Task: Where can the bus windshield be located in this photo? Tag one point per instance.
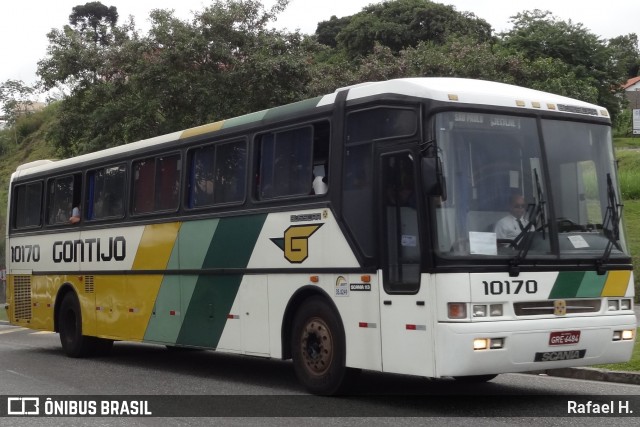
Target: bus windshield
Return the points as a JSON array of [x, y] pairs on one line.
[[582, 168], [499, 202]]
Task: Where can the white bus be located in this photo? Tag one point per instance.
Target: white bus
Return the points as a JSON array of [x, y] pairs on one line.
[[356, 230]]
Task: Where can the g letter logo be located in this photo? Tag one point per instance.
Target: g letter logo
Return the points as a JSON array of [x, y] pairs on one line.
[[295, 243]]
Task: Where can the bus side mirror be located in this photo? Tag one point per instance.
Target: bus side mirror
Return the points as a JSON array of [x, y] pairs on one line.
[[433, 181]]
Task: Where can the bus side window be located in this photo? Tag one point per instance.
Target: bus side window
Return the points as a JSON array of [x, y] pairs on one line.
[[217, 174], [64, 195], [289, 161], [105, 193], [27, 205], [156, 184]]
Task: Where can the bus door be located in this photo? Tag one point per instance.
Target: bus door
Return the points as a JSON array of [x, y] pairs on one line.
[[405, 306]]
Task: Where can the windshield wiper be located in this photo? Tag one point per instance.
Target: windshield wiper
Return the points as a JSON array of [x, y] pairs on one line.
[[610, 225], [525, 238]]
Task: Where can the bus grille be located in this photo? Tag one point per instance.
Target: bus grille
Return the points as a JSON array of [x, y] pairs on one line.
[[88, 284], [22, 298], [536, 308]]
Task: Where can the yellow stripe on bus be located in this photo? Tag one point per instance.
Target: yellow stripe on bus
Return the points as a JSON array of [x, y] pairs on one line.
[[211, 127], [616, 284], [156, 246]]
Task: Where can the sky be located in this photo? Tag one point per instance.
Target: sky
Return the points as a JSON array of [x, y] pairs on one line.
[[24, 24]]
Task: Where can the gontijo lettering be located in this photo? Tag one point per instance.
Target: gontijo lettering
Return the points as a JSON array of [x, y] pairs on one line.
[[92, 249]]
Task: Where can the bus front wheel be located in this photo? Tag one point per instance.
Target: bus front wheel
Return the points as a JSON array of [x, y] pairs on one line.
[[318, 348]]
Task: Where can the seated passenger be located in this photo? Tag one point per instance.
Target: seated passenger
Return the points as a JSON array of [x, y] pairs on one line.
[[75, 215]]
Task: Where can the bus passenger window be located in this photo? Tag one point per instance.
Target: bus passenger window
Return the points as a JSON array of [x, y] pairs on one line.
[[293, 162], [64, 197], [105, 193], [156, 184], [218, 174], [27, 205]]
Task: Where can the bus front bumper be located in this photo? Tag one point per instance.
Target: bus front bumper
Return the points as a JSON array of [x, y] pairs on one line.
[[530, 345]]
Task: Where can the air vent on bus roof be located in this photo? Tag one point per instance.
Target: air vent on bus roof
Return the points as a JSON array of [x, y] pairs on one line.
[[578, 110]]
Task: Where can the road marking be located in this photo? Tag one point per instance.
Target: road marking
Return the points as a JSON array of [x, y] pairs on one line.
[[41, 332], [8, 331]]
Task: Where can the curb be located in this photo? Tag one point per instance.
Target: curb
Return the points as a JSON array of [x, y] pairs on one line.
[[593, 374]]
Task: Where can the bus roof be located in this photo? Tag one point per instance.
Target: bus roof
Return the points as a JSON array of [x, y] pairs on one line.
[[456, 90]]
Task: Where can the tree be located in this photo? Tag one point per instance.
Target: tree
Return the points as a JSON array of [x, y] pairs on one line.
[[400, 24], [16, 98], [625, 56], [225, 62], [538, 35], [327, 31], [77, 55], [96, 20]]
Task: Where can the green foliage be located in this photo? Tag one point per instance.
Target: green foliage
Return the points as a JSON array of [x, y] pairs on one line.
[[593, 62], [225, 62], [95, 19], [629, 167], [15, 98], [622, 125], [400, 24]]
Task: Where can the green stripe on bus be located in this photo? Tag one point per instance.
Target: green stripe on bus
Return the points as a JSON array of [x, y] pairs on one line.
[[213, 296], [592, 285], [242, 120], [192, 244], [567, 284], [289, 109]]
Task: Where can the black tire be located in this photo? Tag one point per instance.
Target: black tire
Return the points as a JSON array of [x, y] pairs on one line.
[[73, 342], [475, 379], [318, 348]]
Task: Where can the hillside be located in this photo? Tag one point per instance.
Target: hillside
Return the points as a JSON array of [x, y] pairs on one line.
[[21, 144]]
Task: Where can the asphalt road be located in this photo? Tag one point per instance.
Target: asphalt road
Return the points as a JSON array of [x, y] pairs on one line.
[[183, 384]]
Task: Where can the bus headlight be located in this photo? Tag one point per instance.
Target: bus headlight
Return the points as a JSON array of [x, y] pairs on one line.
[[481, 343], [620, 304], [481, 310], [488, 343], [495, 310], [624, 335]]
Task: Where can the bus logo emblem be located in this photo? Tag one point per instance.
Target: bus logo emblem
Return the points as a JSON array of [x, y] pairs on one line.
[[560, 307], [295, 243]]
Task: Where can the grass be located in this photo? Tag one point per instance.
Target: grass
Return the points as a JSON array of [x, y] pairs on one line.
[[629, 171], [627, 142], [628, 155], [632, 365]]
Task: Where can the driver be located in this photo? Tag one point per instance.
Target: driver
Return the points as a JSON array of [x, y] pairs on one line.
[[512, 225]]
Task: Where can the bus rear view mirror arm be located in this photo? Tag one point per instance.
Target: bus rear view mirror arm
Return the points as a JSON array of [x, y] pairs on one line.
[[433, 181]]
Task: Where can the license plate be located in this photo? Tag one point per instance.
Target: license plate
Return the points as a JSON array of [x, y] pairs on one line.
[[564, 338]]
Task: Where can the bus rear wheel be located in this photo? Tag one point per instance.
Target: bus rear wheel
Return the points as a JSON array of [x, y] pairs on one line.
[[318, 348], [73, 342]]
